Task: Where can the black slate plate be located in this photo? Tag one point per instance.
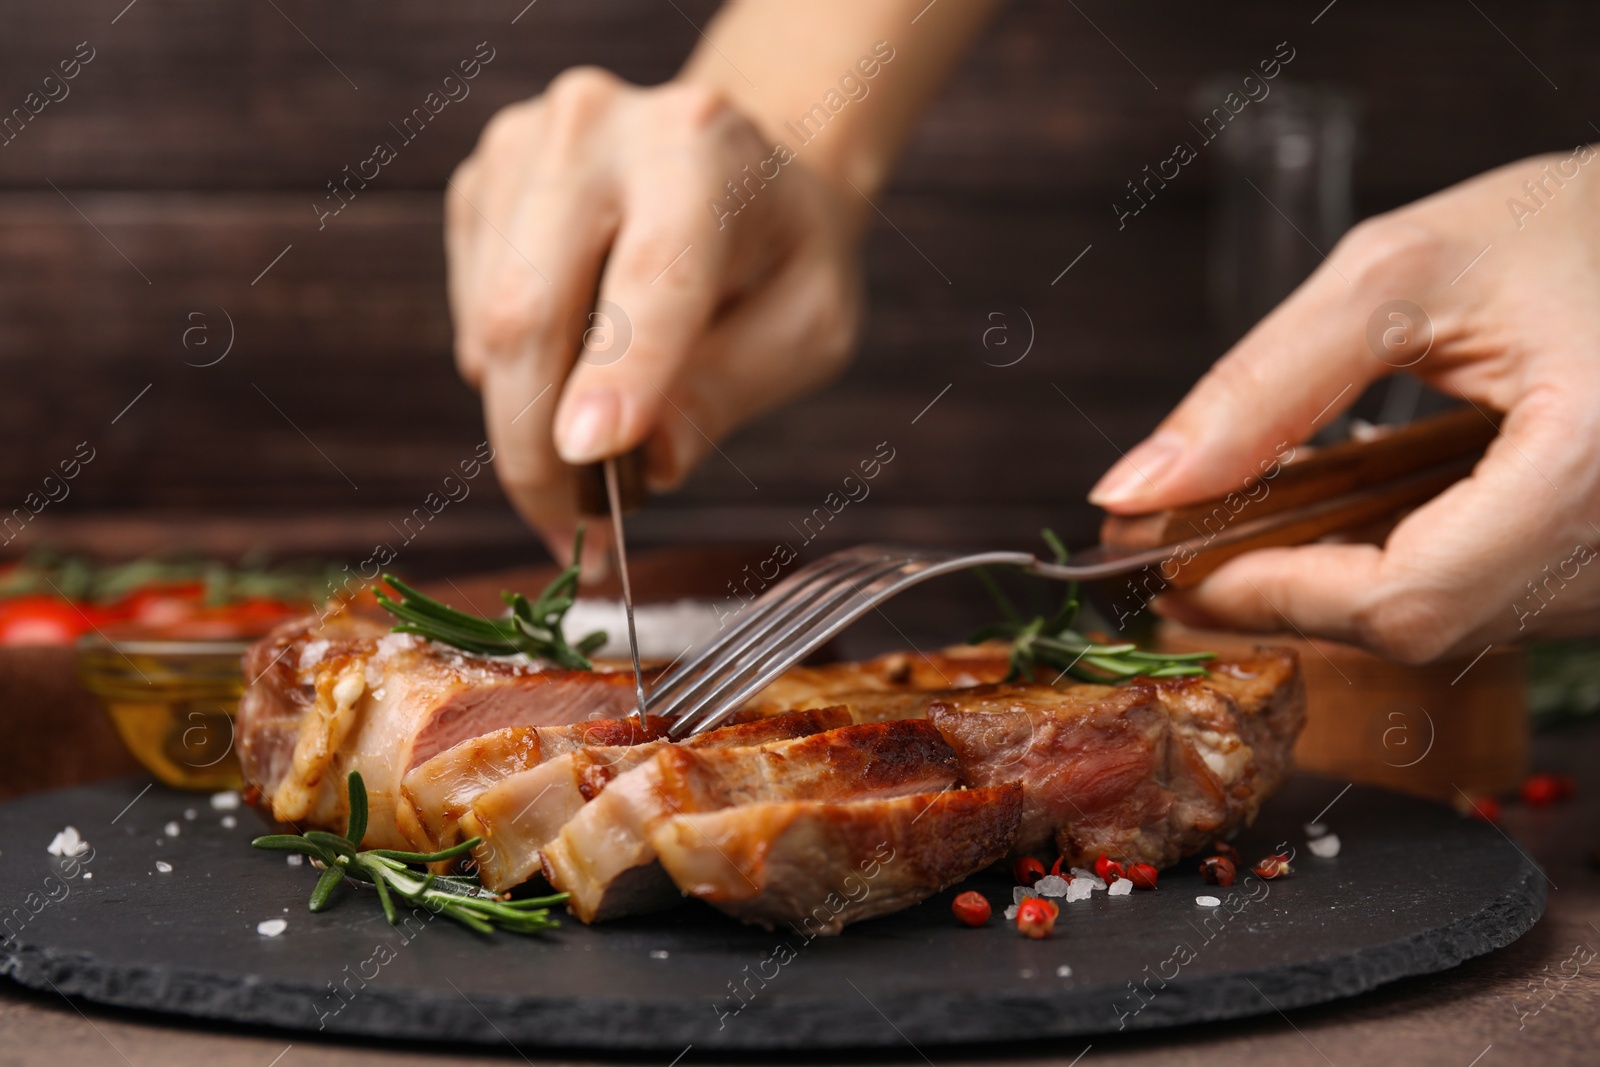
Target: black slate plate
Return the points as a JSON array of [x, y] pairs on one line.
[[1415, 889]]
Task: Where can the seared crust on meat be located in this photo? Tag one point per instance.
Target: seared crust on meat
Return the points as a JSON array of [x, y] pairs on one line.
[[434, 795], [597, 855], [1148, 771], [518, 814], [818, 865], [885, 676], [328, 696]]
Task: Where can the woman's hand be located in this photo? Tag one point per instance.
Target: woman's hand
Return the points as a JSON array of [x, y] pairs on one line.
[[610, 287], [1506, 275]]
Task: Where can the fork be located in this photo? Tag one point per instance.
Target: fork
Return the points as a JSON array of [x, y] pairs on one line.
[[1336, 488]]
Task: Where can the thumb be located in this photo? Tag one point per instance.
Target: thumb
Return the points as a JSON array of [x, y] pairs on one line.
[[1299, 367]]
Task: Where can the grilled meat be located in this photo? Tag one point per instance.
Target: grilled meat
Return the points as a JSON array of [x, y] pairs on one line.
[[434, 795], [817, 865], [764, 819], [604, 856], [519, 814], [324, 698], [1147, 771]]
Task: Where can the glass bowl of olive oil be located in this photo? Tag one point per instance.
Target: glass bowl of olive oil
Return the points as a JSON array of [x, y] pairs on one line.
[[172, 701]]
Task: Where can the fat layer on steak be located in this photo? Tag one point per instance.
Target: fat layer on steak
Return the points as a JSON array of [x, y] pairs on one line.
[[604, 857], [325, 697], [517, 815], [816, 865], [434, 795]]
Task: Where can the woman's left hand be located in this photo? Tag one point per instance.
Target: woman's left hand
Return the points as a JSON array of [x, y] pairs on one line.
[[1506, 276]]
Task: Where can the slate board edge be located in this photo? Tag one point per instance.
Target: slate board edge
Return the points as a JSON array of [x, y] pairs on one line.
[[782, 1023]]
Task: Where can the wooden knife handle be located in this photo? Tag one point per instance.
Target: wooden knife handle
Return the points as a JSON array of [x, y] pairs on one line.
[[591, 485], [1422, 459]]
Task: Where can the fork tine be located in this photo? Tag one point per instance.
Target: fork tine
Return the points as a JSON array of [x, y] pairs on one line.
[[818, 627], [736, 660], [781, 597], [789, 644]]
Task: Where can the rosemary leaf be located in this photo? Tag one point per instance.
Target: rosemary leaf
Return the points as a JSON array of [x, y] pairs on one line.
[[462, 899], [533, 628], [1052, 644]]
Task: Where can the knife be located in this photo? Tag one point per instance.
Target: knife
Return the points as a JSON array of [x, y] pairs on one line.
[[614, 487]]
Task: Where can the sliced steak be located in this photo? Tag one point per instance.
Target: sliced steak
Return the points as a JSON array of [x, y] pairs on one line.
[[434, 795], [517, 815], [1147, 771], [817, 865], [603, 855], [884, 678], [325, 697]]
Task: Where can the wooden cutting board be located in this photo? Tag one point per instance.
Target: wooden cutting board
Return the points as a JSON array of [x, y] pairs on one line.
[[1415, 889]]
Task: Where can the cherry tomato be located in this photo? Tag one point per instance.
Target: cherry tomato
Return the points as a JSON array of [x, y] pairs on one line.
[[41, 620]]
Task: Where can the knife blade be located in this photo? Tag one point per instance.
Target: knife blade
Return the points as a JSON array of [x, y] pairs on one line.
[[613, 487]]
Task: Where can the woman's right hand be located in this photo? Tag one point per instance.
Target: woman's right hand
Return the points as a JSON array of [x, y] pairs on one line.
[[609, 288]]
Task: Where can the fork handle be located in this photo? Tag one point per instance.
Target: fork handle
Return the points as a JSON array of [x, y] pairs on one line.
[[1397, 469]]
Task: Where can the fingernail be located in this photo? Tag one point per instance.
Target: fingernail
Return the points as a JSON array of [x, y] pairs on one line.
[[596, 563], [589, 427], [1139, 472]]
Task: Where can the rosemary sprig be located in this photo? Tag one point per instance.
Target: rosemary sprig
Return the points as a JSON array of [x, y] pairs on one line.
[[462, 899], [1054, 643], [533, 627]]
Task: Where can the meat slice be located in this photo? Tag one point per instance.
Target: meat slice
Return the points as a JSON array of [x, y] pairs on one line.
[[328, 696], [517, 815], [817, 865], [434, 795], [884, 678], [604, 857], [1147, 771]]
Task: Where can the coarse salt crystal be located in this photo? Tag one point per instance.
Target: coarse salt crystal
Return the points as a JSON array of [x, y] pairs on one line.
[[190, 815], [1019, 893], [1080, 889], [227, 800], [294, 859], [1051, 885], [659, 954], [229, 822], [1094, 880], [1325, 847], [1011, 912], [1315, 829], [172, 829], [1120, 888], [87, 875], [271, 927], [1208, 902], [1063, 971], [163, 866], [68, 842]]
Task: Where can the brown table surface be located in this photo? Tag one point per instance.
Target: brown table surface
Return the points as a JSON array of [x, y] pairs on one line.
[[1463, 1017]]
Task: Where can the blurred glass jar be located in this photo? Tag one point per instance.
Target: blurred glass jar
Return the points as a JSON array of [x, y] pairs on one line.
[[1282, 195], [173, 703]]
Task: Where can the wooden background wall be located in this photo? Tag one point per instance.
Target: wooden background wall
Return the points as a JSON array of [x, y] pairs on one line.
[[191, 148]]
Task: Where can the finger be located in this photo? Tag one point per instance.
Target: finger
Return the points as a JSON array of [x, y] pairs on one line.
[[462, 233], [657, 294], [1295, 370], [803, 321], [1454, 569]]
